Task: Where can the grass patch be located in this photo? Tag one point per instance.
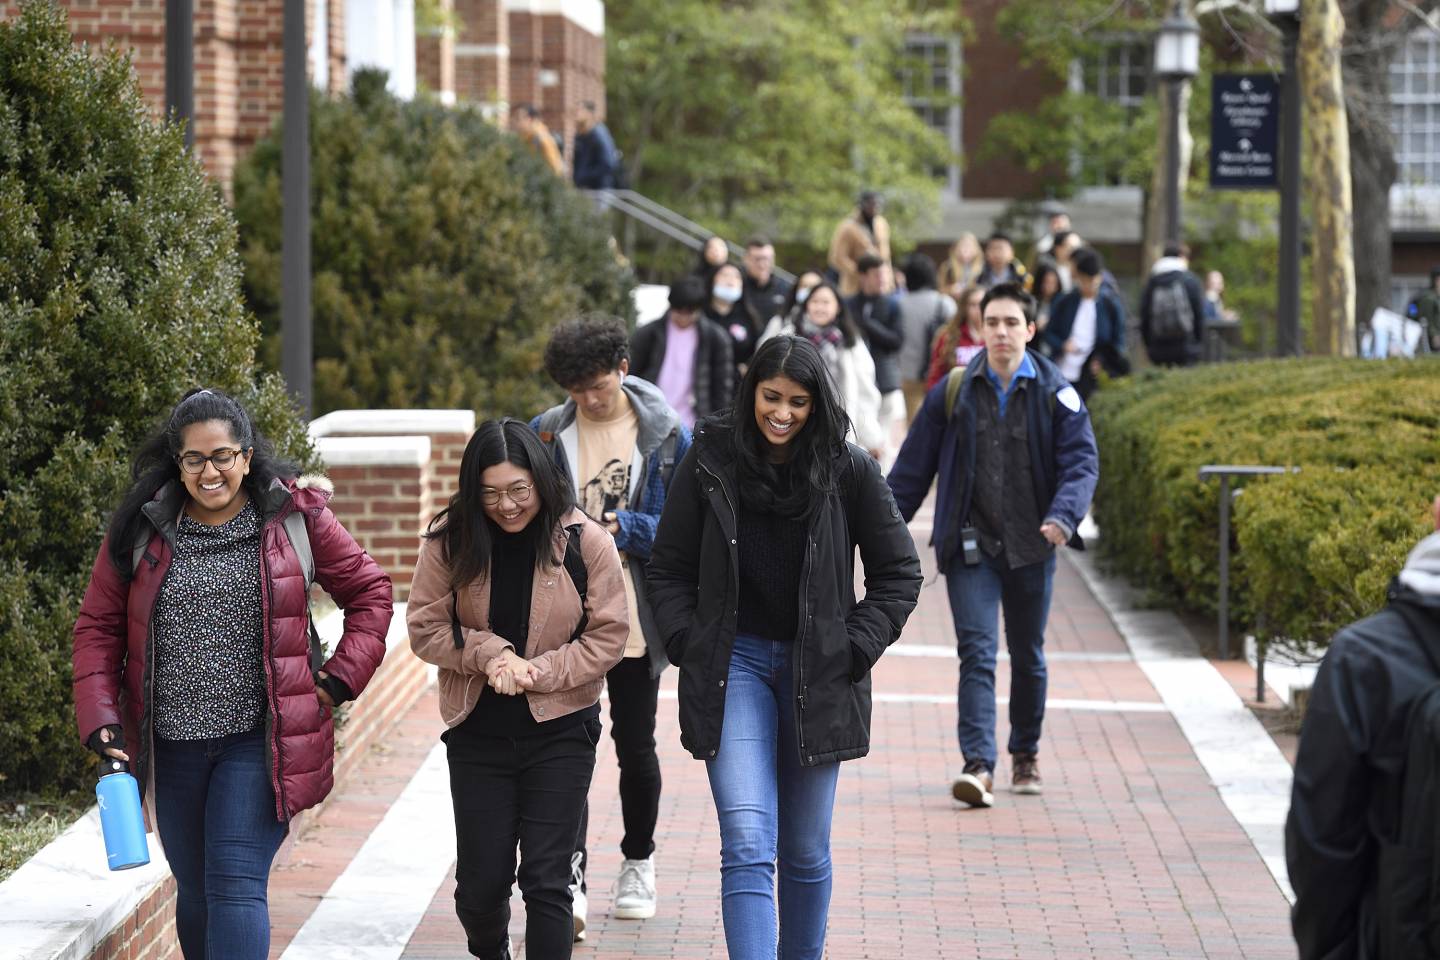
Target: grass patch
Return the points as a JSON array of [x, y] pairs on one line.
[[28, 824]]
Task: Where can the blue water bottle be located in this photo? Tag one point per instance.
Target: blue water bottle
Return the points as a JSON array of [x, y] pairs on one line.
[[121, 820]]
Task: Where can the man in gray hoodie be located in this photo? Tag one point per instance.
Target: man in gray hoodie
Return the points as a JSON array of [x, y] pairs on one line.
[[1344, 839], [618, 441]]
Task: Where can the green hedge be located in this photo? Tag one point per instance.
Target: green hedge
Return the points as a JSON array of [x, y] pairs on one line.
[[1314, 549], [443, 254], [119, 290]]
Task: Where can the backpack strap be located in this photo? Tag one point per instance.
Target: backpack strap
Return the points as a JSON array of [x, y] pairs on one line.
[[667, 450], [137, 551], [579, 575], [953, 380]]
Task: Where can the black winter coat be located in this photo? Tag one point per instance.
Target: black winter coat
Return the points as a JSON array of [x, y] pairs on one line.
[[694, 593]]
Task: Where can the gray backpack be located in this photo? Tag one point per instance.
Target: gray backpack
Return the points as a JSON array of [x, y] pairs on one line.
[[1171, 317]]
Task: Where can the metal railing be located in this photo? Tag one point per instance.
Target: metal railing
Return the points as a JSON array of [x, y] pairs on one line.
[[667, 222], [1226, 472]]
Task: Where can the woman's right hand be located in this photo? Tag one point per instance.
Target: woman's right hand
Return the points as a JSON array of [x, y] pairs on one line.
[[108, 742], [510, 674]]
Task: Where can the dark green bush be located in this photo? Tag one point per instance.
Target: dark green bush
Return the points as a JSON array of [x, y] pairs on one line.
[[119, 290], [1315, 549], [443, 254]]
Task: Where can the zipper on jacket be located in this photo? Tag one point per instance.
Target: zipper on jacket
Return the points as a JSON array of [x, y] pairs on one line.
[[800, 644], [272, 739]]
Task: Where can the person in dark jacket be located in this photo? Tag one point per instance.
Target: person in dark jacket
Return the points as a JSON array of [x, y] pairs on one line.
[[686, 355], [728, 309], [752, 585], [1343, 831], [1170, 281], [1017, 467], [765, 291], [522, 654], [196, 621], [596, 162], [616, 442], [878, 318], [1088, 316]]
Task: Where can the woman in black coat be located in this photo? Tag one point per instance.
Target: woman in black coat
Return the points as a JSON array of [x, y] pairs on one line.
[[752, 585]]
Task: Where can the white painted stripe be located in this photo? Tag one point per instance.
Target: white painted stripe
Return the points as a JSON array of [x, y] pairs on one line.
[[1055, 656], [1085, 706], [372, 909], [1247, 768], [482, 50]]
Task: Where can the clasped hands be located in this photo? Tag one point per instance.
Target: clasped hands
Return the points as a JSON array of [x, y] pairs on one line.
[[510, 674]]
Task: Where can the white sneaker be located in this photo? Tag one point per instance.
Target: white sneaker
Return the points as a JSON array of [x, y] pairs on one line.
[[635, 890], [580, 903]]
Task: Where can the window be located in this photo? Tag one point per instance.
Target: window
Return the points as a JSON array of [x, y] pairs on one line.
[[930, 82], [1415, 109], [1118, 75]]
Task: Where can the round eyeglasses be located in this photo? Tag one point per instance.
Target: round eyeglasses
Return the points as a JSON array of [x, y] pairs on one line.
[[517, 492], [195, 463]]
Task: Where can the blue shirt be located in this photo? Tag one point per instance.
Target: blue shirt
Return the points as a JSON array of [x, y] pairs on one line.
[[1027, 369]]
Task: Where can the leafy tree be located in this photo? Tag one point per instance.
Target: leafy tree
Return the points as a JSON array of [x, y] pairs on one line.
[[442, 253], [119, 290], [771, 115]]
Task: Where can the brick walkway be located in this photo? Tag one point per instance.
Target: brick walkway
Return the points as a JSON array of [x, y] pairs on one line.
[[1130, 852]]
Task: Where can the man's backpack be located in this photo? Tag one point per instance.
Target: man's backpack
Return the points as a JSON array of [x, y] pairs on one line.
[[1408, 891], [579, 575], [1171, 316]]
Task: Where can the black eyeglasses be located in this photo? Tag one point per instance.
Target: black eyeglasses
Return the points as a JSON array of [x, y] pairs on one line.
[[195, 462], [517, 492]]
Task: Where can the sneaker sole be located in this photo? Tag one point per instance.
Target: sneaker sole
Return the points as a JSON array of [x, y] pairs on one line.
[[633, 913], [972, 794], [1027, 789], [579, 929]]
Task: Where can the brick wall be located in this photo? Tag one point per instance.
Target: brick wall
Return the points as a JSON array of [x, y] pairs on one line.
[[148, 933], [482, 52], [556, 63]]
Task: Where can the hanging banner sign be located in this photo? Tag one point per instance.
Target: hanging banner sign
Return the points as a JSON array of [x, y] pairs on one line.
[[1244, 131]]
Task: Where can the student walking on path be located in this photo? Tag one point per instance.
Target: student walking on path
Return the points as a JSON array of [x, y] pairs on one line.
[[752, 586], [1011, 442], [520, 601], [616, 442], [197, 621]]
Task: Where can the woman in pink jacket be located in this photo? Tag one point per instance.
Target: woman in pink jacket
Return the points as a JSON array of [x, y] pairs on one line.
[[519, 599], [193, 655]]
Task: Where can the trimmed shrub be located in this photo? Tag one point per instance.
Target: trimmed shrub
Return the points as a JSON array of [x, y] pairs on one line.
[[1315, 549], [443, 253], [119, 290]]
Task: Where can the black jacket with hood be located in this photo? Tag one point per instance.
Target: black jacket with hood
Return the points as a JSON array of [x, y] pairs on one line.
[[1348, 773], [694, 593]]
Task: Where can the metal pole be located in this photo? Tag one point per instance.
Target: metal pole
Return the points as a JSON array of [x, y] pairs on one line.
[[1287, 340], [1172, 166], [296, 351], [1224, 623], [180, 65]]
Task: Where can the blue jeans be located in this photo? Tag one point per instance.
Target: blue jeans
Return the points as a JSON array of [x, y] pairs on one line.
[[977, 594], [215, 812], [770, 808]]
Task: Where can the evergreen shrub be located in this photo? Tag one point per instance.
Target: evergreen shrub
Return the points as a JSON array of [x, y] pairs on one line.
[[119, 291], [1314, 549], [443, 254]]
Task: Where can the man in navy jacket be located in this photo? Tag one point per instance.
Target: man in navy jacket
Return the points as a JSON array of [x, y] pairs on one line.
[[1017, 467]]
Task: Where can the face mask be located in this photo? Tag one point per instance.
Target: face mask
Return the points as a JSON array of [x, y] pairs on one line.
[[802, 294], [728, 294]]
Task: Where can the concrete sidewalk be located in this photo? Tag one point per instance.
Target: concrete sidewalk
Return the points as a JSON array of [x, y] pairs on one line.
[[1131, 852]]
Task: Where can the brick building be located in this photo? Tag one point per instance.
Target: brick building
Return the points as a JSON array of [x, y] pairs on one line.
[[547, 52]]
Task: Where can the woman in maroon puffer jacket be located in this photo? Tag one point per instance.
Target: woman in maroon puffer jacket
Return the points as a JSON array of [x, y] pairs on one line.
[[192, 647]]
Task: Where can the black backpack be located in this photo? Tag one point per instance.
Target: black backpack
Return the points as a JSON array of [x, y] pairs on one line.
[[1171, 316], [1407, 901], [579, 575]]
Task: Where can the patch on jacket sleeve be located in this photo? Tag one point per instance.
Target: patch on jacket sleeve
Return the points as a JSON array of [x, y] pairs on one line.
[[1070, 399]]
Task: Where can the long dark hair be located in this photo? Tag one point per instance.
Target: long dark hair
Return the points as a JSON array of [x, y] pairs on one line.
[[154, 463], [468, 533], [812, 457], [848, 328]]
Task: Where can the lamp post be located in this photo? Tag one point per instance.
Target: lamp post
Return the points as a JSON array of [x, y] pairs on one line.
[[1285, 14], [295, 336], [180, 65], [1177, 61]]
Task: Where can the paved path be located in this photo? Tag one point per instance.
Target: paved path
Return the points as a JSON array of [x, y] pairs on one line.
[[1131, 852]]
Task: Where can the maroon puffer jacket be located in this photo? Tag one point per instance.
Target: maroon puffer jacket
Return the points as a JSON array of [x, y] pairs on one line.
[[112, 636]]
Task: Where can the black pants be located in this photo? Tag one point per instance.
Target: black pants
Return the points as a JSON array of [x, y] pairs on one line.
[[634, 699], [525, 790]]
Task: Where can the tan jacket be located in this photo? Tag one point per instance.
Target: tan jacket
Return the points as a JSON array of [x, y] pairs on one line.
[[542, 144], [851, 242], [571, 675]]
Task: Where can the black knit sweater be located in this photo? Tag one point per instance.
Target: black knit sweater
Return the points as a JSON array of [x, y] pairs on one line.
[[772, 558]]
